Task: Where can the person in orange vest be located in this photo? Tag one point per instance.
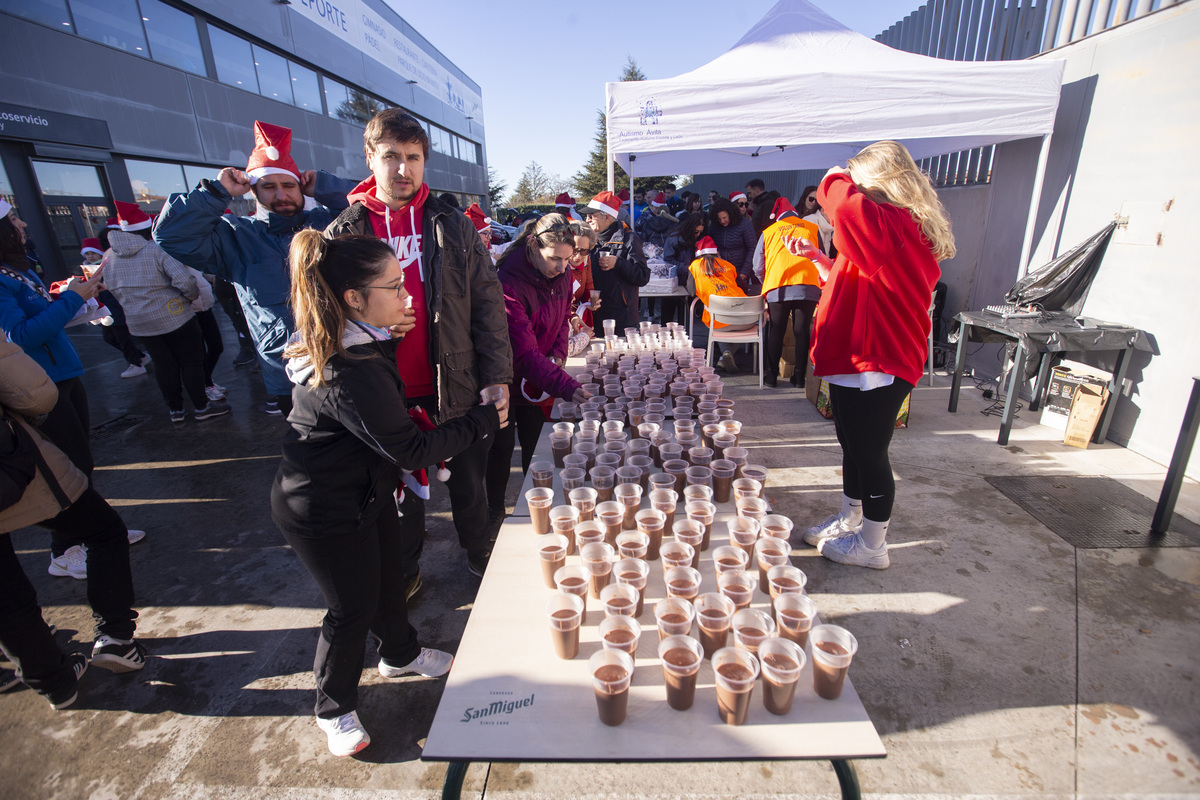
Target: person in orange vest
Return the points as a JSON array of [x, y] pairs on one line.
[[711, 275], [791, 286]]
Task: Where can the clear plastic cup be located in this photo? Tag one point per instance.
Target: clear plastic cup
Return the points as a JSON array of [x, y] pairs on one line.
[[571, 478], [781, 662], [736, 672], [674, 617], [699, 476], [833, 648], [677, 554], [573, 579], [565, 615], [670, 451], [721, 441], [727, 557], [677, 468], [598, 560], [560, 446], [646, 465], [785, 579], [542, 473], [612, 460], [603, 479], [586, 449], [756, 472], [697, 492], [752, 627], [769, 552], [691, 533], [633, 544], [681, 658], [567, 411], [722, 479], [552, 553], [629, 495], [563, 519], [700, 456], [634, 572], [753, 507], [611, 515], [620, 633], [745, 489], [743, 533], [714, 615], [629, 474], [709, 429], [584, 500], [705, 513], [682, 582], [612, 672], [778, 526], [540, 501], [620, 599], [738, 586], [794, 615], [738, 456], [588, 532], [651, 522]]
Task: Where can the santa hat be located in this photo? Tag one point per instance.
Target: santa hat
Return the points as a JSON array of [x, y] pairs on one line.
[[706, 247], [132, 218], [624, 195], [607, 202], [481, 221], [564, 200], [113, 224], [5, 207], [735, 196], [91, 246], [272, 152], [417, 480], [782, 206], [659, 200]]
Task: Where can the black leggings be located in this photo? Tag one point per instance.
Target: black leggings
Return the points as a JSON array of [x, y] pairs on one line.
[[864, 422], [68, 425], [525, 423], [802, 314], [179, 359], [210, 330]]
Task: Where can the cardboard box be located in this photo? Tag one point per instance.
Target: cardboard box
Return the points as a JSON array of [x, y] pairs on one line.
[[1064, 380], [1086, 408], [787, 359], [812, 386]]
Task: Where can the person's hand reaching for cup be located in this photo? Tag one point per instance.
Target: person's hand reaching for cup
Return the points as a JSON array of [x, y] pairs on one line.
[[581, 395], [85, 289]]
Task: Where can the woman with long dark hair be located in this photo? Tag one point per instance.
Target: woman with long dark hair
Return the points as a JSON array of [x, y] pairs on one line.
[[678, 251], [342, 458], [734, 235], [872, 325]]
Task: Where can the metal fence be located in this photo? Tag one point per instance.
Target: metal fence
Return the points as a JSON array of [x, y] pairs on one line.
[[1000, 30]]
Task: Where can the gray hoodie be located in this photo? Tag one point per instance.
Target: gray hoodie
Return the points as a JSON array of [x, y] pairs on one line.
[[154, 289]]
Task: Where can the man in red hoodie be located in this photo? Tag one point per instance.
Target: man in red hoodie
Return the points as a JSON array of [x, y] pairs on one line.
[[460, 342]]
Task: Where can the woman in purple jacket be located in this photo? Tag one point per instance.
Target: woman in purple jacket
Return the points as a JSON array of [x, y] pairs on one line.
[[537, 298]]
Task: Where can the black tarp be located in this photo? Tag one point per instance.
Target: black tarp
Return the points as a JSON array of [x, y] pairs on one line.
[[1063, 284]]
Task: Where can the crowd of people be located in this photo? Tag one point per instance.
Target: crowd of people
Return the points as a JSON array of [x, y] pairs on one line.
[[398, 343]]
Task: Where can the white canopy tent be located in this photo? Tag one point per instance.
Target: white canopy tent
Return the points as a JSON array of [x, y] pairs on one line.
[[802, 91]]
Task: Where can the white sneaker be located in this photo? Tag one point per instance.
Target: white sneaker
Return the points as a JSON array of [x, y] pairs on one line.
[[215, 393], [346, 734], [133, 371], [71, 564], [219, 388], [853, 551], [136, 536], [430, 664], [835, 526]]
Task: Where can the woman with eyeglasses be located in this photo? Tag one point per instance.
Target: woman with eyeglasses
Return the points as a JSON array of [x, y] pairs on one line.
[[810, 211], [333, 495], [580, 263], [537, 297]]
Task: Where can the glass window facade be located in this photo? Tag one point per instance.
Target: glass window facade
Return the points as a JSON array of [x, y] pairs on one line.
[[115, 23], [6, 190], [235, 62], [194, 172], [305, 91], [68, 180], [273, 79], [47, 12], [174, 39], [153, 181]]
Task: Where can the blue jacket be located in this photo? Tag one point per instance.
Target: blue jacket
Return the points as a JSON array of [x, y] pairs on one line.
[[38, 325], [249, 252]]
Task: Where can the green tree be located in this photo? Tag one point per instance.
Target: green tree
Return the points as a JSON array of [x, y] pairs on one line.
[[536, 186], [359, 107], [496, 189], [632, 71]]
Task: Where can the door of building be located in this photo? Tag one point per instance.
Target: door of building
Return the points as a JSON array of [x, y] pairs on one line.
[[76, 202]]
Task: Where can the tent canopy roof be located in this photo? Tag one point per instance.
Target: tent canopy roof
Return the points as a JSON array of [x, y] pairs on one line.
[[802, 91]]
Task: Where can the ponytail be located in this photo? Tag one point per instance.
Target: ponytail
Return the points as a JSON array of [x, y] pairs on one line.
[[321, 272]]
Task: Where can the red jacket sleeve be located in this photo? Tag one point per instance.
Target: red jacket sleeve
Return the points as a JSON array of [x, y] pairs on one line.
[[865, 232]]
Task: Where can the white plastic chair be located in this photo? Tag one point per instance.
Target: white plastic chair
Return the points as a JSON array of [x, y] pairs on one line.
[[932, 303], [737, 311]]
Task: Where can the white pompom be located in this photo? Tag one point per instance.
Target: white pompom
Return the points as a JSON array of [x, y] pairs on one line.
[[443, 474], [272, 152]]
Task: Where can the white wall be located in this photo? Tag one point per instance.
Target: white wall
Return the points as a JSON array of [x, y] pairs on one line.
[[1126, 140]]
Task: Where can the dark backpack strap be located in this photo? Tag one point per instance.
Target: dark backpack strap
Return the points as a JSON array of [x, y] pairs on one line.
[[28, 441]]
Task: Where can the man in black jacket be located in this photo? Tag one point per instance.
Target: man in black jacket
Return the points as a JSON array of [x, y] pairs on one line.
[[618, 263]]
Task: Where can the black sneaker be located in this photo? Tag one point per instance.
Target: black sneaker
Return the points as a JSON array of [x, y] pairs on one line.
[[770, 380], [178, 416], [478, 564], [66, 696], [213, 410], [246, 356], [118, 656], [413, 586], [272, 408], [495, 521], [8, 680]]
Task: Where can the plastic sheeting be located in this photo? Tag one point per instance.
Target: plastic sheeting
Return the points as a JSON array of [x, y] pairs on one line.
[[1063, 284]]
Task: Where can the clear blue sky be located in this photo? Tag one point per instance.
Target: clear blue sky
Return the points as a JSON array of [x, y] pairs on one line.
[[542, 66]]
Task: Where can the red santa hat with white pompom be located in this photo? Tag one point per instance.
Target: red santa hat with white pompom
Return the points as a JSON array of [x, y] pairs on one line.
[[272, 152]]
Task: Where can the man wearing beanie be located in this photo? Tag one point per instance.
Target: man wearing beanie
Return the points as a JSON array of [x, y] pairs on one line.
[[252, 252]]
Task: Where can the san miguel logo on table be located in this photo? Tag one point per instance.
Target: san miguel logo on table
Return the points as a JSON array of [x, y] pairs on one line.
[[497, 708]]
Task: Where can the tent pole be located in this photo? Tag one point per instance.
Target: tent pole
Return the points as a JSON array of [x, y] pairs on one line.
[[1031, 222], [612, 173]]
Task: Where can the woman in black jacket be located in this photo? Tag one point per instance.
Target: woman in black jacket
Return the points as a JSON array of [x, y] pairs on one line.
[[734, 235], [342, 460]]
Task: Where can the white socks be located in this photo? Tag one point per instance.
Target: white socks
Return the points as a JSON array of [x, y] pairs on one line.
[[873, 533], [851, 510]]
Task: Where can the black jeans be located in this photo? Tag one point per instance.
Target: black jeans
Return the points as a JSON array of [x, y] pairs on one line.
[[68, 426], [118, 336], [525, 423], [356, 573], [24, 635], [179, 359], [210, 331], [864, 422], [777, 313]]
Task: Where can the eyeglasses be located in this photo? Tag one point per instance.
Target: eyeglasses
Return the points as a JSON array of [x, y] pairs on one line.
[[398, 288], [579, 252], [741, 203], [810, 199]]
